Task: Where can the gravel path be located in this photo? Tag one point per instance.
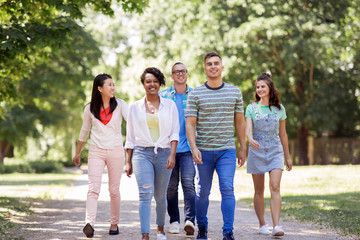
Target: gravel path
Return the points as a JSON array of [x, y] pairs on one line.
[[64, 219]]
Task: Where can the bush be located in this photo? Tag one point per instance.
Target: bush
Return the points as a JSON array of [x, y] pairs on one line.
[[33, 167], [68, 163], [20, 168], [46, 166]]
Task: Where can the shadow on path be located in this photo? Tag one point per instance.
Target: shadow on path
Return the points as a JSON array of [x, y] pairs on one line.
[[64, 219]]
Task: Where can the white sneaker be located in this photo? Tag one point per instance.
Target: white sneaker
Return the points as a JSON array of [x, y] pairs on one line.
[[278, 231], [264, 230], [189, 228], [174, 228], [160, 236]]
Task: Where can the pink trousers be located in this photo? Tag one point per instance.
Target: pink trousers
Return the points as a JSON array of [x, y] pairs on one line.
[[114, 159]]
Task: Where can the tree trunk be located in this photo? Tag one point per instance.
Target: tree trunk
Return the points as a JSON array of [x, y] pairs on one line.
[[6, 150], [303, 145]]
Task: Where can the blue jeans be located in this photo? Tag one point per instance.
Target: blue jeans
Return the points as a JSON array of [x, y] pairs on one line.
[[152, 178], [184, 165], [224, 162]]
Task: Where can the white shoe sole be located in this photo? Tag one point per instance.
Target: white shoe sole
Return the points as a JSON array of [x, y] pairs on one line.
[[189, 230]]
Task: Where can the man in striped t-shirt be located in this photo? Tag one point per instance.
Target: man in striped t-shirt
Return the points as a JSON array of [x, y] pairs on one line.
[[212, 110]]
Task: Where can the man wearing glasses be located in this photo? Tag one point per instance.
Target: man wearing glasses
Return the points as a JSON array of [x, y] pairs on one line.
[[184, 164]]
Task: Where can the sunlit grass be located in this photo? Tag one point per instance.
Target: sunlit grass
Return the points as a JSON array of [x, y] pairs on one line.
[[35, 185], [326, 195], [18, 190]]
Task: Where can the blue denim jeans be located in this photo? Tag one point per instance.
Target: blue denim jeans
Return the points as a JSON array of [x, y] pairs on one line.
[[185, 170], [224, 162], [152, 178]]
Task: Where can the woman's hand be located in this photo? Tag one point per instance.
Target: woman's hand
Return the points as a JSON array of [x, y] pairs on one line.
[[170, 163], [254, 144], [76, 159], [128, 169], [288, 164]]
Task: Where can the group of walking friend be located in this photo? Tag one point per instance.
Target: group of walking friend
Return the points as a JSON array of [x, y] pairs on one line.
[[181, 135]]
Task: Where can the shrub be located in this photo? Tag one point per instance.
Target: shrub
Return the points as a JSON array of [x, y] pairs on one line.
[[46, 166], [20, 168]]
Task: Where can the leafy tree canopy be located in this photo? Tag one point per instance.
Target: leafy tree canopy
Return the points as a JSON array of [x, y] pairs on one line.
[[31, 30]]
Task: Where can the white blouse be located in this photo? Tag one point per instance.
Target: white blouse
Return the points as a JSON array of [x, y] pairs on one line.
[[104, 136], [137, 129]]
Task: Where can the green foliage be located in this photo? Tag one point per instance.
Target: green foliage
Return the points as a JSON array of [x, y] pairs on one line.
[[52, 94], [33, 167], [46, 166], [31, 30], [311, 48], [20, 168]]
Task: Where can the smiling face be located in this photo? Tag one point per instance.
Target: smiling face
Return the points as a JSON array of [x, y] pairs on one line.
[[151, 84], [179, 74], [108, 88], [262, 89], [213, 67]]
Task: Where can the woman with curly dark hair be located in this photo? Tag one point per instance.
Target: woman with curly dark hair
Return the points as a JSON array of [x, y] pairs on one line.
[[152, 134], [268, 141]]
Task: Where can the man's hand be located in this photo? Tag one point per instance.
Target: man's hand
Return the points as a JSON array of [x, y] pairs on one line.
[[241, 158], [197, 156]]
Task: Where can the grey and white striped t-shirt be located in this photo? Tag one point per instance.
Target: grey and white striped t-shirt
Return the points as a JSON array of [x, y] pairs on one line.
[[215, 109]]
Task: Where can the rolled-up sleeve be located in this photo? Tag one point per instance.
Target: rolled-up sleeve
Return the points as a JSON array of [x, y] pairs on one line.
[[85, 128], [124, 110], [175, 129], [130, 136]]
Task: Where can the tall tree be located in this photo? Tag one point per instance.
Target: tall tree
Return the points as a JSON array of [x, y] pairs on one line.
[[310, 46], [53, 95], [31, 30]]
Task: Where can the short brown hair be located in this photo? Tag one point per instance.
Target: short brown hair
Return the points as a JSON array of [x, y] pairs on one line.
[[212, 54]]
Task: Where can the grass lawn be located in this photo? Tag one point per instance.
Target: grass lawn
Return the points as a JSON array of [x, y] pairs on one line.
[[325, 195], [35, 185], [17, 192]]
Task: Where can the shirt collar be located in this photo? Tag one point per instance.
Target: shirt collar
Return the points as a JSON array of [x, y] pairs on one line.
[[143, 102], [173, 91]]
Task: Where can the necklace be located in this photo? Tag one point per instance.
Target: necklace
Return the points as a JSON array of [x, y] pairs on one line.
[[151, 108]]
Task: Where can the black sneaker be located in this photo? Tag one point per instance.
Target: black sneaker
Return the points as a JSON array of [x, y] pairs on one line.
[[202, 233], [229, 236]]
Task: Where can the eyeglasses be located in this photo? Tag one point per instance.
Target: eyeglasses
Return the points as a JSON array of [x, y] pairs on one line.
[[178, 72]]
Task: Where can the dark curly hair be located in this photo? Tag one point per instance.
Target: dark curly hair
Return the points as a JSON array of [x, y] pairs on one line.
[[96, 100], [274, 95], [156, 72]]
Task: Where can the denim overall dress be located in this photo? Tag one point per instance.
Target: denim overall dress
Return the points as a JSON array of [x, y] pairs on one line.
[[270, 155]]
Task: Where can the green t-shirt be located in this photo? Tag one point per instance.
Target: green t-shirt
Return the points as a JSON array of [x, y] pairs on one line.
[[265, 110], [215, 109]]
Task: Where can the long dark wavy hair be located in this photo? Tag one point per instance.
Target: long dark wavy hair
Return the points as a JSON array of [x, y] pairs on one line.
[[96, 100], [274, 95]]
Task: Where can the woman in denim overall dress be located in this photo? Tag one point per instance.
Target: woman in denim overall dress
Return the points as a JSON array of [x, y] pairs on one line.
[[266, 134]]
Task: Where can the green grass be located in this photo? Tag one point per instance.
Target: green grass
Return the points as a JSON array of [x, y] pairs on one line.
[[23, 189], [325, 195], [10, 209], [16, 179]]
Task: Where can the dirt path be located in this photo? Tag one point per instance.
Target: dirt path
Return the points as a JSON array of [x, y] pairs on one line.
[[64, 219]]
